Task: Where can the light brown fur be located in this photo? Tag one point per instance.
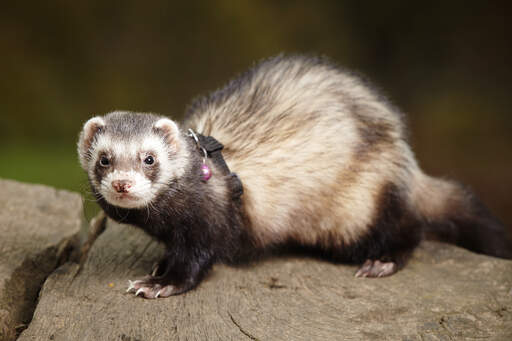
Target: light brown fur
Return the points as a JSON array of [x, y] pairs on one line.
[[313, 147]]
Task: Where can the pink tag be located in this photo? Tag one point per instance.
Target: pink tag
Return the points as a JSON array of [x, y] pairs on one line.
[[207, 173]]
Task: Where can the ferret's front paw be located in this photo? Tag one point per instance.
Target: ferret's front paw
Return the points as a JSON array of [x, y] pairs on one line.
[[376, 268], [147, 287]]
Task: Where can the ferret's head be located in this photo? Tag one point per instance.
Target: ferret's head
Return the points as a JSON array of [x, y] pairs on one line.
[[131, 158]]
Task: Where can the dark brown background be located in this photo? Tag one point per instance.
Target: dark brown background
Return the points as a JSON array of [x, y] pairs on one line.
[[446, 65]]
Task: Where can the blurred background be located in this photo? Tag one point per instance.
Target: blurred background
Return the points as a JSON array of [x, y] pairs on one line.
[[446, 65]]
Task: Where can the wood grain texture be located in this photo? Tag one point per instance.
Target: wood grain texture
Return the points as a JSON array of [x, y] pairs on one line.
[[39, 226], [445, 293]]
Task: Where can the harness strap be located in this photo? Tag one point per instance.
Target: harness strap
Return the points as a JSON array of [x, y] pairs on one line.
[[214, 150]]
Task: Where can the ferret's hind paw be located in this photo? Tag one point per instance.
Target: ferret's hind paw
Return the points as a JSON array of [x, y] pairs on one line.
[[376, 268], [146, 288]]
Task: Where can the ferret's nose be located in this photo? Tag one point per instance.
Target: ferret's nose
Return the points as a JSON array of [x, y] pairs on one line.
[[121, 186]]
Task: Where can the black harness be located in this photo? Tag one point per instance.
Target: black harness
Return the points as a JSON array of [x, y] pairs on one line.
[[213, 150]]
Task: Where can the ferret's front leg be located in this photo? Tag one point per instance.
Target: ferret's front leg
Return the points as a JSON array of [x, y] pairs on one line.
[[175, 274]]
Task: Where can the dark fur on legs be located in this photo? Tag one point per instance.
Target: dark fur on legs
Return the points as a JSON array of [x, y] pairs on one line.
[[387, 244], [197, 232]]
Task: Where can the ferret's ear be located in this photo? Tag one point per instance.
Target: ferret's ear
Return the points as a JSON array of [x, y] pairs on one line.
[[92, 127], [169, 129]]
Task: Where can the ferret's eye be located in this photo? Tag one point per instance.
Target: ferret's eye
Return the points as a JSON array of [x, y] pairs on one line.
[[104, 161], [149, 160]]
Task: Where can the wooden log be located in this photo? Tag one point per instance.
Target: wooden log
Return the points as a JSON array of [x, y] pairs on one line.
[[444, 293], [39, 227]]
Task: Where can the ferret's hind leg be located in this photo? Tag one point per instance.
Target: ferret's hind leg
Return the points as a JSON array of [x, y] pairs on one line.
[[396, 256], [390, 241]]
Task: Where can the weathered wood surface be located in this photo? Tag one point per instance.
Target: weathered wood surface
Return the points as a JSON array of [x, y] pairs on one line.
[[445, 293], [38, 227]]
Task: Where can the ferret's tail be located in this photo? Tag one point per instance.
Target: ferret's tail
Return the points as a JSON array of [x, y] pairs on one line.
[[455, 215]]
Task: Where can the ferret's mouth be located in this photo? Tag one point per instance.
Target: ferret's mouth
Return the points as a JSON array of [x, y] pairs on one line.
[[126, 196], [125, 200]]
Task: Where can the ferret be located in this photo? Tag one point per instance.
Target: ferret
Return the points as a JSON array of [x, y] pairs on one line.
[[294, 152]]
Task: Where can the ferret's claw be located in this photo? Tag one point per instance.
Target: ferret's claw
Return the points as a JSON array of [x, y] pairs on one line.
[[148, 289], [376, 268], [365, 269], [154, 270], [134, 285], [131, 286], [167, 291]]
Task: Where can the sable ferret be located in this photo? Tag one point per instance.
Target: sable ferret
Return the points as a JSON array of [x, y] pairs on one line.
[[323, 163]]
